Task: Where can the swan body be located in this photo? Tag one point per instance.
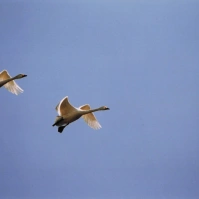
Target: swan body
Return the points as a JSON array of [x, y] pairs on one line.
[[68, 114], [8, 82]]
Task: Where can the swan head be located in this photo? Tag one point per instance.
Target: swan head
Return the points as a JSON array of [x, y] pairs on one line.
[[20, 76], [105, 108]]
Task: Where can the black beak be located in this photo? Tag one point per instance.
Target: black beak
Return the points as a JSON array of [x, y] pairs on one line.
[[25, 75], [107, 108]]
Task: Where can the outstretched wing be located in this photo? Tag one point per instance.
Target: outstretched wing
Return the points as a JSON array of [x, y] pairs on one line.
[[90, 118], [64, 107], [10, 86]]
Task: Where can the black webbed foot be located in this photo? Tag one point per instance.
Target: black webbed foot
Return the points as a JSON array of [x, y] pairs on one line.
[[61, 128]]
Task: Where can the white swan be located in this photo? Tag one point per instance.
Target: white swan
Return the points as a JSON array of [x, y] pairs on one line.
[[68, 114], [8, 82]]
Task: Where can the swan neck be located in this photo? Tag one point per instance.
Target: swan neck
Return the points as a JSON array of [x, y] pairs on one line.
[[6, 81], [90, 111]]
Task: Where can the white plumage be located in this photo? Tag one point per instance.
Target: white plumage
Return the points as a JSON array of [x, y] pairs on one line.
[[68, 114], [8, 82]]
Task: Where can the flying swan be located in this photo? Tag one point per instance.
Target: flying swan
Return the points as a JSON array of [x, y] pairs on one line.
[[8, 82], [68, 114]]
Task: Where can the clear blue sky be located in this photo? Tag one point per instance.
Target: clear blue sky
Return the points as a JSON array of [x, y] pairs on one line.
[[139, 59]]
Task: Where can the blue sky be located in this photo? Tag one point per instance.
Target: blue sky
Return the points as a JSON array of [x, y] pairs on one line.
[[139, 59]]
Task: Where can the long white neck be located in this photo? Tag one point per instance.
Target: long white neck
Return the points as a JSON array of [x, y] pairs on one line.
[[6, 81], [91, 110]]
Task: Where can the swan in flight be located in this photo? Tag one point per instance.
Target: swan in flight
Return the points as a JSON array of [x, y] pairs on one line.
[[8, 82], [68, 114]]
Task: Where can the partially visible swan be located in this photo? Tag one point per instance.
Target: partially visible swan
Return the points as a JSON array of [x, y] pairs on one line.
[[68, 114], [8, 82]]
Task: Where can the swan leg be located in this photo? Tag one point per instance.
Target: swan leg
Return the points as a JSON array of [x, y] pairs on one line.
[[57, 120], [61, 128]]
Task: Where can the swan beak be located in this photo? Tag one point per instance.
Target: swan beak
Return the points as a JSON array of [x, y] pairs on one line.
[[107, 108], [25, 75]]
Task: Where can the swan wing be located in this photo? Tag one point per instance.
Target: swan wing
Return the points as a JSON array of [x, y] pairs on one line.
[[11, 86], [64, 107], [90, 118]]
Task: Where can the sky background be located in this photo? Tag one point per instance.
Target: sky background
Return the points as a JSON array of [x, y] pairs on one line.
[[138, 58]]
